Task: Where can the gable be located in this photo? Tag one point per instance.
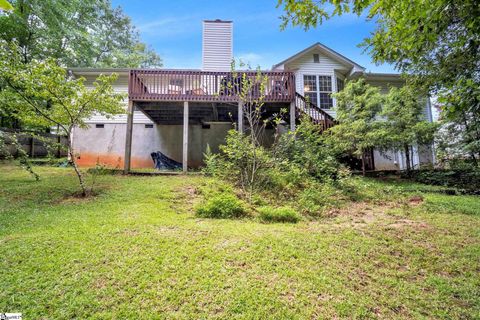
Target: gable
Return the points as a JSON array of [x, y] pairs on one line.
[[325, 65], [330, 56]]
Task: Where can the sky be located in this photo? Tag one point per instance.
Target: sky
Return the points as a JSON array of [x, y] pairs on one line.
[[174, 29]]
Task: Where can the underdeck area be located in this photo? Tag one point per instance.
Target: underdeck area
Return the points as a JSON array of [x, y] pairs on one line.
[[202, 105]]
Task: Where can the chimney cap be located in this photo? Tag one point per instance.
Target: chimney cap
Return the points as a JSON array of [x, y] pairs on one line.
[[218, 21]]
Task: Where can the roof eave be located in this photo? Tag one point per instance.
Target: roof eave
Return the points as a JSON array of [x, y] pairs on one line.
[[329, 51]]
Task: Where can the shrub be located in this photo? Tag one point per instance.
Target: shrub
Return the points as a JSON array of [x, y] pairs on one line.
[[282, 214], [306, 148], [222, 206]]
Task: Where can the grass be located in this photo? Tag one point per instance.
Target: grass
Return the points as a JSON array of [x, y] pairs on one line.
[[137, 250]]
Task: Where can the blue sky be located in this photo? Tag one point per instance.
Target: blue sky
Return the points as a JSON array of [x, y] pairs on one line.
[[174, 30]]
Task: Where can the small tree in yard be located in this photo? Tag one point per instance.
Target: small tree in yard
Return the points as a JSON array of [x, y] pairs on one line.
[[404, 123], [358, 106], [42, 94], [243, 159]]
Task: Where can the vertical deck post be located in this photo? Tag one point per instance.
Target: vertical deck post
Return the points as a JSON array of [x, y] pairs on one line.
[[128, 138], [240, 117], [292, 116], [185, 137]]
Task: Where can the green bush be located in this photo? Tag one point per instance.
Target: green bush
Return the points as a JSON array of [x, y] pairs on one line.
[[306, 148], [222, 206], [466, 180], [282, 214]]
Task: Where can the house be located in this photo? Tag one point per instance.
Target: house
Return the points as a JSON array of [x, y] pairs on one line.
[[179, 112]]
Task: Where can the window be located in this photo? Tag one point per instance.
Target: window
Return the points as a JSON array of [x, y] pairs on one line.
[[148, 126], [325, 92], [316, 58], [99, 125], [318, 90], [340, 84], [310, 88]]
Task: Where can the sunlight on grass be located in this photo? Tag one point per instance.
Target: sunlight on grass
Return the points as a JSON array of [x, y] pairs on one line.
[[138, 249]]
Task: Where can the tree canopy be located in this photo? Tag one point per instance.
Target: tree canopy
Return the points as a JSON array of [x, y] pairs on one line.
[[403, 122], [88, 33], [357, 108], [435, 42], [42, 94]]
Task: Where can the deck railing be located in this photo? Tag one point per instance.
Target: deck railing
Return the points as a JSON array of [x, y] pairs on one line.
[[192, 85], [318, 116]]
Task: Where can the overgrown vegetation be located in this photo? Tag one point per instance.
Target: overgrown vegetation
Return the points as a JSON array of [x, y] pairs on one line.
[[435, 43], [302, 168]]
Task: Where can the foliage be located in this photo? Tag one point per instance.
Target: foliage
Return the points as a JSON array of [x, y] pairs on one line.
[[306, 149], [436, 42], [403, 122], [222, 206], [5, 5], [464, 180], [358, 106], [41, 93], [281, 214], [87, 33], [460, 132], [21, 154], [244, 157], [244, 161]]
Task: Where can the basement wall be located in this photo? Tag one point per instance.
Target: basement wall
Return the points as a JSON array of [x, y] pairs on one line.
[[106, 146]]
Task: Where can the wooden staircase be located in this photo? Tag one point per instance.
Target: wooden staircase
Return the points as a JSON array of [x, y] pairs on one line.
[[316, 114]]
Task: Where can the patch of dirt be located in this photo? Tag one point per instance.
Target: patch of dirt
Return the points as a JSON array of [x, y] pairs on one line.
[[361, 215], [415, 200], [77, 197], [187, 195], [401, 223]]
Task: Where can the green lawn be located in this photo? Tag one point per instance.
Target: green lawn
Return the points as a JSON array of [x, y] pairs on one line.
[[137, 251]]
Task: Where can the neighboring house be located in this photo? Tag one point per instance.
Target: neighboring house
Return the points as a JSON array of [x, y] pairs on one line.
[[179, 112]]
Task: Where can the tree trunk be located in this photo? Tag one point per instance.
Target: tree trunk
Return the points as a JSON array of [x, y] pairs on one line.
[[77, 170], [407, 158], [363, 163]]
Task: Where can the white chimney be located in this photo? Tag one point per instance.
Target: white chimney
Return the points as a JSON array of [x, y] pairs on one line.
[[217, 51]]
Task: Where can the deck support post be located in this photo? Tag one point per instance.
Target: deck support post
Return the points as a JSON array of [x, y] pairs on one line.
[[185, 137], [128, 138], [292, 116], [240, 117]]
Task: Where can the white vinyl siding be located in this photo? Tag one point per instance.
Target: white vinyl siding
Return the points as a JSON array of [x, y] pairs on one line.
[[217, 49], [121, 85], [306, 66]]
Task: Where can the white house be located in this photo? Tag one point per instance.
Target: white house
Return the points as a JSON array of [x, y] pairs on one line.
[[179, 112]]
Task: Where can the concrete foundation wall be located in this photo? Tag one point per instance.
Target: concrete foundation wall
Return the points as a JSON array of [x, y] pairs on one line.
[[106, 145], [385, 160]]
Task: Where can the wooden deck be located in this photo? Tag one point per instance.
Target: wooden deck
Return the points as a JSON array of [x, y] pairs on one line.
[[206, 86]]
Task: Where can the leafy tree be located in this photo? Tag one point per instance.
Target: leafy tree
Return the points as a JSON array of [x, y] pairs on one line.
[[87, 33], [461, 122], [357, 131], [403, 122], [5, 5], [307, 149], [437, 42], [42, 94]]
